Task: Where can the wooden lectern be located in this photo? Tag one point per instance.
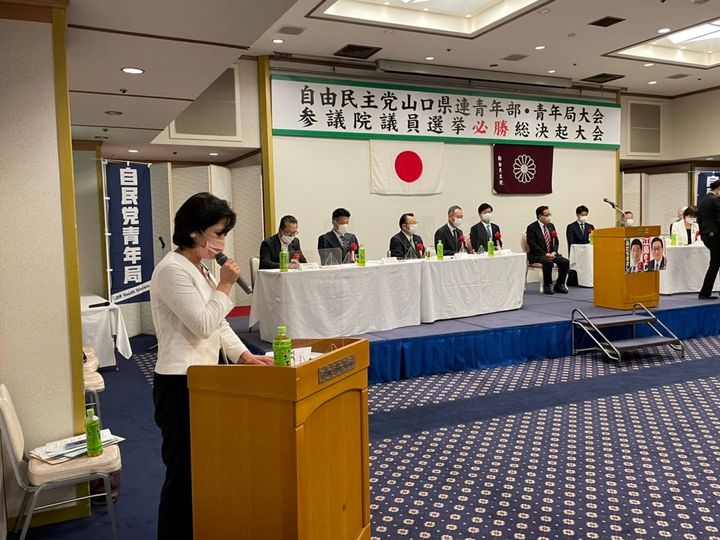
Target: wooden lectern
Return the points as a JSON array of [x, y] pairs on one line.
[[612, 286], [281, 453]]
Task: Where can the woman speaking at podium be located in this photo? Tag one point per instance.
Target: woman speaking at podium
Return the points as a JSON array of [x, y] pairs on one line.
[[188, 310]]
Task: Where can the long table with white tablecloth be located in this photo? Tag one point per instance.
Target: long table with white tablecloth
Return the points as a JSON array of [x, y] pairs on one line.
[[581, 260], [104, 329], [685, 270], [350, 300]]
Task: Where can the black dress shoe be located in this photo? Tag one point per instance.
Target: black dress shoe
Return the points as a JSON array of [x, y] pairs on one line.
[[561, 289], [707, 297], [548, 290]]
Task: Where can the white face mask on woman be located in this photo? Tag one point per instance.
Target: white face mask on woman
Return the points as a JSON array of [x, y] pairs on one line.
[[691, 220]]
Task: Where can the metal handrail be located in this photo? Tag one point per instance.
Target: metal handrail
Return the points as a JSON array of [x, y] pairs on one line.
[[600, 345], [680, 346]]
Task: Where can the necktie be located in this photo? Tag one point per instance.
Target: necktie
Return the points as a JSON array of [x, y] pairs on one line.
[[344, 242], [455, 235], [582, 228], [489, 232], [546, 234]]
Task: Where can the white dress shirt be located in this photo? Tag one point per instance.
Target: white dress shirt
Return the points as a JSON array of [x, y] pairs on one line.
[[189, 317]]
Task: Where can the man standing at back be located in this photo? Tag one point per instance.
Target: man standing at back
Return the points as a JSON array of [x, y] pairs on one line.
[[450, 234], [543, 243], [338, 245], [709, 222]]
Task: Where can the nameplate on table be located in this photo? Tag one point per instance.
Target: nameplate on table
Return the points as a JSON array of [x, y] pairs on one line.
[[336, 368], [389, 260], [461, 255], [309, 266]]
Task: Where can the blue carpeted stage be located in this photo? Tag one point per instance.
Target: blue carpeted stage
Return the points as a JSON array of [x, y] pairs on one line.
[[540, 329]]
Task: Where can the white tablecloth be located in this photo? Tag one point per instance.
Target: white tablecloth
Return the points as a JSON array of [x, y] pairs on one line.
[[100, 324], [685, 271], [337, 301], [472, 286], [581, 260]]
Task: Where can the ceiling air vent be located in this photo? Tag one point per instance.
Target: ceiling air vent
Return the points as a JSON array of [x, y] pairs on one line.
[[363, 52], [606, 21], [678, 76], [291, 30], [515, 57], [602, 78]]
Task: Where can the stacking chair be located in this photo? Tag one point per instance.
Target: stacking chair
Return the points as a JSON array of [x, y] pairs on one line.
[[535, 267], [34, 476], [93, 385], [254, 269], [91, 361]]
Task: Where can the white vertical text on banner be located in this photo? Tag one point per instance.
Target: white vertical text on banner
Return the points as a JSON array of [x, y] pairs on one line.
[[130, 227], [406, 167]]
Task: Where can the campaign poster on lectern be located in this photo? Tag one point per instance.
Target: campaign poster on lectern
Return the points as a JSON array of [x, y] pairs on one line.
[[645, 254]]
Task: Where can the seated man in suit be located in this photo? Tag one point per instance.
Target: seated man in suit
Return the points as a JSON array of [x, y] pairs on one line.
[[658, 261], [338, 241], [543, 243], [287, 237], [404, 245], [481, 233], [636, 264], [450, 234], [578, 232]]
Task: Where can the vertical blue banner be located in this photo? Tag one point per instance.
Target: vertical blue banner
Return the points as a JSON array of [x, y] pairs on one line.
[[130, 227], [704, 179]]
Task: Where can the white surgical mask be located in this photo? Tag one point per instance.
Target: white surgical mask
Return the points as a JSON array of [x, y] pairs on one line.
[[412, 227], [629, 221], [691, 220], [286, 239], [547, 219], [342, 228], [458, 221], [582, 219], [485, 218]]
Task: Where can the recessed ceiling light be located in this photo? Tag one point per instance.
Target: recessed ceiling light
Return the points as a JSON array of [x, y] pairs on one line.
[[468, 16], [683, 47], [429, 58], [133, 151], [426, 9], [214, 154], [113, 113], [551, 71], [663, 30], [278, 41], [649, 64], [544, 11], [709, 158], [386, 3], [652, 82], [539, 47], [709, 52], [133, 70]]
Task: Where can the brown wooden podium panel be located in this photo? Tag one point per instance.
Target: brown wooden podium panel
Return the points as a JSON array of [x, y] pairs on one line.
[[612, 287], [282, 452]]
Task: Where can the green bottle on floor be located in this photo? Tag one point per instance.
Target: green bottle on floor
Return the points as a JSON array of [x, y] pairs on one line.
[[282, 347]]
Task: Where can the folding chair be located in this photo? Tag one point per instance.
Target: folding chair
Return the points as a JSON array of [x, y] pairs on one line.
[[34, 476]]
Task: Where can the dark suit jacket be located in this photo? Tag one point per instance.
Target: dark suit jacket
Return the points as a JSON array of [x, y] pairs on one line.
[[652, 266], [329, 240], [709, 215], [450, 245], [401, 248], [576, 236], [478, 236], [536, 241], [270, 252]]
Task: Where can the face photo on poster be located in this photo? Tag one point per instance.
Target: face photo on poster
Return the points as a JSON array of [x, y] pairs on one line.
[[645, 254]]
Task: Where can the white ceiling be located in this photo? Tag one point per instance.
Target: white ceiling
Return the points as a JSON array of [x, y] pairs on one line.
[[178, 70]]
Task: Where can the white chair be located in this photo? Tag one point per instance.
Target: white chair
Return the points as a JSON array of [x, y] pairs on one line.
[[34, 476], [91, 362], [254, 269], [535, 267], [93, 384]]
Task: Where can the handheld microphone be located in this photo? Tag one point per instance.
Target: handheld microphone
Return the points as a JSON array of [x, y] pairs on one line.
[[221, 259], [605, 199]]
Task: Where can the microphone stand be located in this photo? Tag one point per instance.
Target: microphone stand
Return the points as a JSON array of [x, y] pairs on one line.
[[618, 209]]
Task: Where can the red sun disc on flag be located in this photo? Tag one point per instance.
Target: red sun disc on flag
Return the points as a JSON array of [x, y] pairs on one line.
[[408, 166]]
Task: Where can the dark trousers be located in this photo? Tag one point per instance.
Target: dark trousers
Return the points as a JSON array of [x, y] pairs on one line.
[[713, 244], [547, 265], [172, 415]]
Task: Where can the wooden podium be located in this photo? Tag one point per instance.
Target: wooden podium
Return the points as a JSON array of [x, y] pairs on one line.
[[612, 286], [281, 453]]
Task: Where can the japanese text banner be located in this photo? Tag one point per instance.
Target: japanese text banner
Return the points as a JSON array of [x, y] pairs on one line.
[[311, 107], [130, 227]]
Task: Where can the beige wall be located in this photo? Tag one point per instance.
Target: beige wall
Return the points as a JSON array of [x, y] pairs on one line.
[[89, 223], [34, 341], [696, 125]]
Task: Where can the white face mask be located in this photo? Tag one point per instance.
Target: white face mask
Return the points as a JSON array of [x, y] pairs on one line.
[[458, 221], [691, 220], [547, 219], [485, 218], [412, 227], [286, 239], [342, 228], [582, 219], [629, 221]]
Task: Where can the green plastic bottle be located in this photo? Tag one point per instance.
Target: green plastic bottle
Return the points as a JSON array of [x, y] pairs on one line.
[[439, 250], [282, 347], [361, 256], [491, 248], [92, 432], [284, 259], [673, 239]]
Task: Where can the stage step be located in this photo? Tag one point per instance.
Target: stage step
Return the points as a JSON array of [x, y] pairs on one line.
[[592, 328]]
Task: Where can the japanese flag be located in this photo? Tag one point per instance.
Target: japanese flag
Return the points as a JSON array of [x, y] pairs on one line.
[[406, 167]]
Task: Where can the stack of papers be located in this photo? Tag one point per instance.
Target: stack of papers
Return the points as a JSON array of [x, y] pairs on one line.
[[66, 449]]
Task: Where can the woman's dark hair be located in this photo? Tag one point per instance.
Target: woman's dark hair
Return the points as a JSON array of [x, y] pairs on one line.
[[199, 212], [691, 211]]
